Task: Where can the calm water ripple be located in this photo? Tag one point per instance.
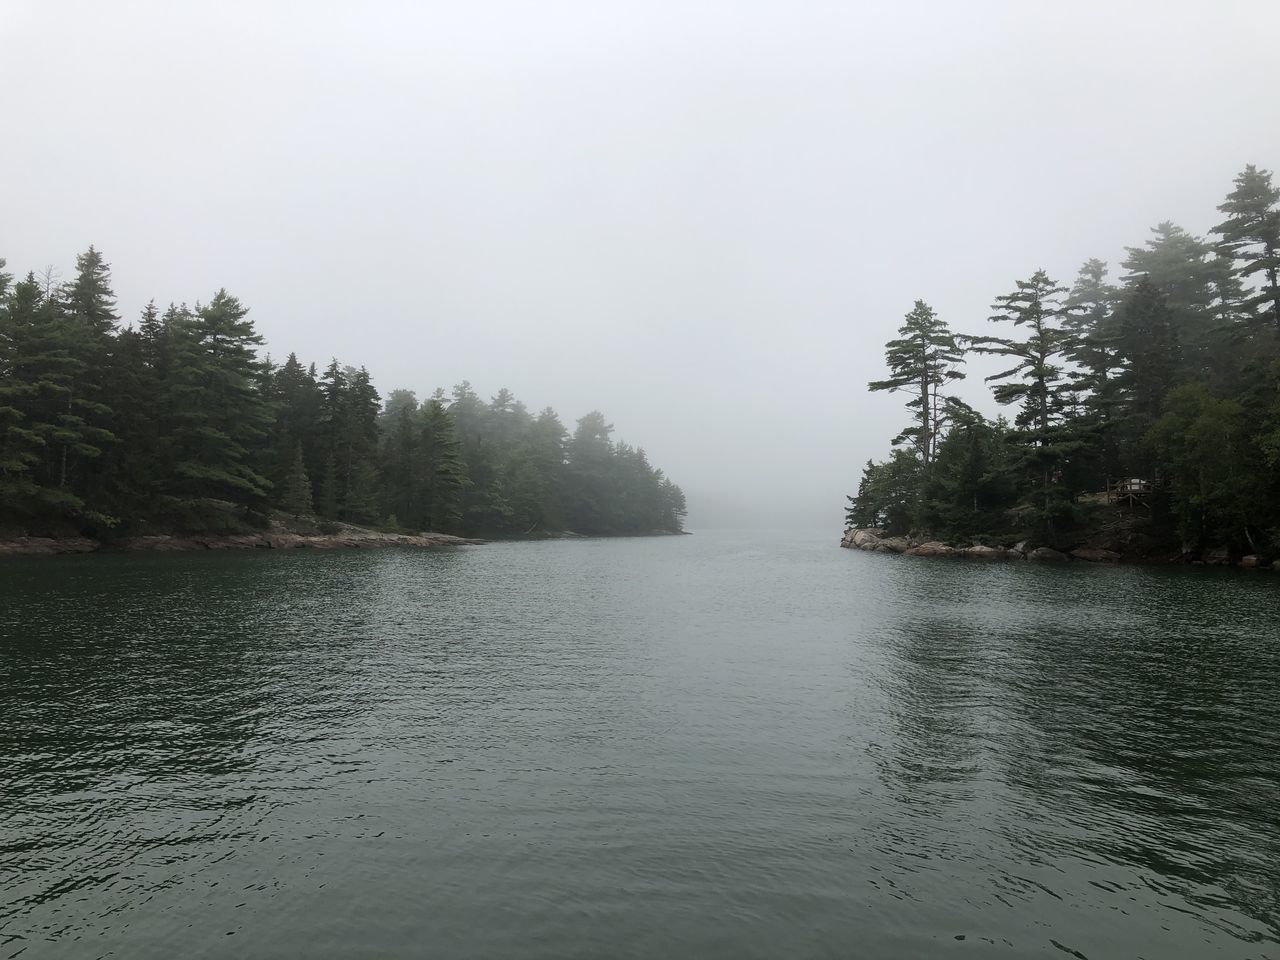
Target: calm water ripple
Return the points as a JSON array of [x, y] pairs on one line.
[[725, 745]]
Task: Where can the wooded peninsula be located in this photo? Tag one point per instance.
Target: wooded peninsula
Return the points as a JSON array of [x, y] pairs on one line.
[[176, 424], [1147, 412]]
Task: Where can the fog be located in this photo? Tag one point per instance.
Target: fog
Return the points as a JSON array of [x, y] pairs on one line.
[[704, 219]]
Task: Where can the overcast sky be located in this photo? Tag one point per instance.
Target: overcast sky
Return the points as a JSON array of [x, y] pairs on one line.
[[703, 218]]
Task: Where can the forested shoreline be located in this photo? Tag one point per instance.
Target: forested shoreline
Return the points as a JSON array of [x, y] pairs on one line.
[[1146, 411], [178, 424]]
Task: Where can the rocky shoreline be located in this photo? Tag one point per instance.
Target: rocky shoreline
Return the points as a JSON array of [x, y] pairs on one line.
[[349, 537], [875, 541], [278, 537]]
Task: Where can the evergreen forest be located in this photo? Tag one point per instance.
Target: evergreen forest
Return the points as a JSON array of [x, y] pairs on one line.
[[178, 424], [1165, 380]]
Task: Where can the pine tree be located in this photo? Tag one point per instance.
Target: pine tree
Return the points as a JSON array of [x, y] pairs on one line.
[[593, 488], [87, 311], [52, 427], [151, 330], [1148, 348], [349, 427], [327, 498], [357, 449], [1089, 323], [89, 305], [296, 402], [674, 507], [1202, 440], [219, 415], [89, 299], [443, 469], [888, 495], [524, 489], [126, 475], [1038, 384], [482, 503], [922, 361], [402, 426], [862, 513], [1251, 238], [971, 485], [21, 446], [548, 439], [295, 487], [360, 504], [1184, 269]]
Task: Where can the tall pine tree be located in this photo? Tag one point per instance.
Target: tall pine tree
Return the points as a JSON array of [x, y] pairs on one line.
[[1250, 237], [922, 362], [219, 416], [1038, 383]]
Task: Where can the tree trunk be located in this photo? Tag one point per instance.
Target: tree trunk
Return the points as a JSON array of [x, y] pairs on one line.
[[925, 456]]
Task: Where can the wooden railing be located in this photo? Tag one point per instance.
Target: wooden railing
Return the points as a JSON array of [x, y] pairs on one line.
[[1130, 491]]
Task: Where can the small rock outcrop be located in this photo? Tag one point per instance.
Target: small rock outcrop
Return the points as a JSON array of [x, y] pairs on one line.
[[860, 539], [1047, 555], [980, 552], [895, 545], [934, 548]]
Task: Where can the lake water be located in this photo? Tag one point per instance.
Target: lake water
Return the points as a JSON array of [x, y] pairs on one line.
[[717, 746]]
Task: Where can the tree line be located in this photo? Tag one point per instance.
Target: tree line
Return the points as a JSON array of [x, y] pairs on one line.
[[178, 424], [1170, 376]]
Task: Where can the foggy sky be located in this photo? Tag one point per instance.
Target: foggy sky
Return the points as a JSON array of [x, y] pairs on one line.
[[703, 218]]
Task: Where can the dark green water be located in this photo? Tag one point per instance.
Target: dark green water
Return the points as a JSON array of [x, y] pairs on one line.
[[719, 746]]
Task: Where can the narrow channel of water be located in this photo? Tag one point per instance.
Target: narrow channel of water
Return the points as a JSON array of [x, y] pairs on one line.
[[724, 745]]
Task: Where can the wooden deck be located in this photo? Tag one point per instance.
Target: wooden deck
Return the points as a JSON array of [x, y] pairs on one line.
[[1130, 492]]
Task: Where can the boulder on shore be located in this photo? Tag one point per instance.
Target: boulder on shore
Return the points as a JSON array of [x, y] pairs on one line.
[[1252, 561], [1095, 555], [862, 539], [895, 544], [1047, 555], [981, 552], [934, 548]]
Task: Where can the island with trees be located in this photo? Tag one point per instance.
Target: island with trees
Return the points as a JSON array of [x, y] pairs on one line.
[[177, 425], [1145, 411]]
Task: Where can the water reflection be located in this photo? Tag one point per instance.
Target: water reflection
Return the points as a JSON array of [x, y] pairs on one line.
[[151, 710], [1085, 735]]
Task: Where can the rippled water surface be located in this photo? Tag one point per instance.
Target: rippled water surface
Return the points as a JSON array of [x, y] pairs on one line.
[[719, 746]]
